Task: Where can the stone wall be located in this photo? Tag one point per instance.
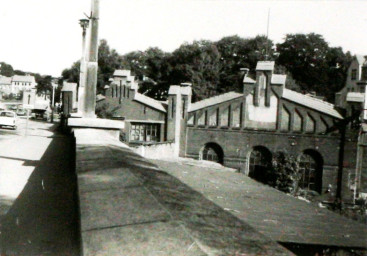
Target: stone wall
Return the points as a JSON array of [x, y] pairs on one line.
[[163, 150]]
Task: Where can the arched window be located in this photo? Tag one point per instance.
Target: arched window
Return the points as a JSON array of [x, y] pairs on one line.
[[212, 152], [310, 164], [260, 162]]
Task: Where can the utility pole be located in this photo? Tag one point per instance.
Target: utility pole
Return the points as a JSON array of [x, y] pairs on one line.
[[84, 23], [92, 64]]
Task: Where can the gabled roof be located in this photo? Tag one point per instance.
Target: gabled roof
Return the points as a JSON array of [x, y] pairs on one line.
[[265, 65], [311, 102], [121, 72], [360, 58], [278, 79], [149, 101], [214, 100], [5, 80], [355, 96], [27, 79]]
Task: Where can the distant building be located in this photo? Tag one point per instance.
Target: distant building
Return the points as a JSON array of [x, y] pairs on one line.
[[16, 84], [351, 97]]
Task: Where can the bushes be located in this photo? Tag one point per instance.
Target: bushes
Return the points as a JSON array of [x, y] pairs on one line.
[[105, 111], [285, 173]]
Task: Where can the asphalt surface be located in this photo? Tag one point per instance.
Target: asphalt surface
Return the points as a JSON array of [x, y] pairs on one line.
[[38, 204]]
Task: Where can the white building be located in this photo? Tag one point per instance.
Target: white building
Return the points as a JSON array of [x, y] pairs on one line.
[[16, 84]]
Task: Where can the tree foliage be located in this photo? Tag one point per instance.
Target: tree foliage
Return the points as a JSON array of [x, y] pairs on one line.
[[44, 85], [285, 173], [213, 67], [6, 69], [314, 65]]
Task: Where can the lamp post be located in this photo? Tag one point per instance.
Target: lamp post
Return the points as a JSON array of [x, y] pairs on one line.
[[84, 23], [92, 65]]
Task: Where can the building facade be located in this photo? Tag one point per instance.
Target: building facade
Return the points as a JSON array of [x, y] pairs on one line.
[[145, 118], [16, 84], [241, 130]]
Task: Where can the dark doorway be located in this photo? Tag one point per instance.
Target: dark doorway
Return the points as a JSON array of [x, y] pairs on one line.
[[260, 163], [212, 152]]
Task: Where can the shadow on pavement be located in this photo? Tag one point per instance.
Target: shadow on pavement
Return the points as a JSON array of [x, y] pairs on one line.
[[26, 161], [44, 218]]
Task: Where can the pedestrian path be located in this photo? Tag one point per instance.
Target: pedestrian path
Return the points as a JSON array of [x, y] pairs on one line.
[[130, 207], [37, 194], [275, 214]]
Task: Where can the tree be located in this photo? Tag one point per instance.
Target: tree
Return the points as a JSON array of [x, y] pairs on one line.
[[313, 64], [108, 61], [285, 173], [197, 63], [6, 69], [71, 74], [45, 85], [237, 53]]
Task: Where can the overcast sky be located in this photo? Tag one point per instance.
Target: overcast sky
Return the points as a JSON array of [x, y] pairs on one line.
[[44, 35]]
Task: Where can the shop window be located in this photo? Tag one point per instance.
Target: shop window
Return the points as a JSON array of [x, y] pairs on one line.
[[144, 132]]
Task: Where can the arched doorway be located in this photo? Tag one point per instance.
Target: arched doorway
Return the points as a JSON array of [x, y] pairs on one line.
[[212, 152], [259, 163], [311, 165]]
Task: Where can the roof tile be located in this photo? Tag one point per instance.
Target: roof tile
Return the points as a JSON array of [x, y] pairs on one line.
[[215, 100], [311, 102]]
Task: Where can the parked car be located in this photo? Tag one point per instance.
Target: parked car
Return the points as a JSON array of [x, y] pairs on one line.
[[21, 112], [9, 119], [39, 114]]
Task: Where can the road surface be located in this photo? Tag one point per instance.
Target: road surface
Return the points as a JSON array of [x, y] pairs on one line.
[[38, 209]]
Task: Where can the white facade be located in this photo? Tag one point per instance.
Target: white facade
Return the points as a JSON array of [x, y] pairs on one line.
[[16, 84]]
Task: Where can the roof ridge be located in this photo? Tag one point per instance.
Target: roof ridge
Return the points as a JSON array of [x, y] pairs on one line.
[[313, 98], [216, 96]]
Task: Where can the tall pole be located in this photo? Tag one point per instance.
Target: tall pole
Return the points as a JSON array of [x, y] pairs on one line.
[[83, 72], [92, 64]]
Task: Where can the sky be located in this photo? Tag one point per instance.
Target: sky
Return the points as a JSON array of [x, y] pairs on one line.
[[44, 36]]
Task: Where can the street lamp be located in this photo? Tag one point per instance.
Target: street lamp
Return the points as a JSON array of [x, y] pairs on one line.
[[84, 23]]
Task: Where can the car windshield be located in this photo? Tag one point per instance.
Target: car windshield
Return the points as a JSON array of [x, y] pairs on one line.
[[7, 114]]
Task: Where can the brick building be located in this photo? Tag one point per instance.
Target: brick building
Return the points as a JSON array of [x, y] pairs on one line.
[[145, 118], [240, 130]]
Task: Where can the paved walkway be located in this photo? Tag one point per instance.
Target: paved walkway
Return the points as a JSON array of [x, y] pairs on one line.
[[277, 215], [130, 207], [38, 211]]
